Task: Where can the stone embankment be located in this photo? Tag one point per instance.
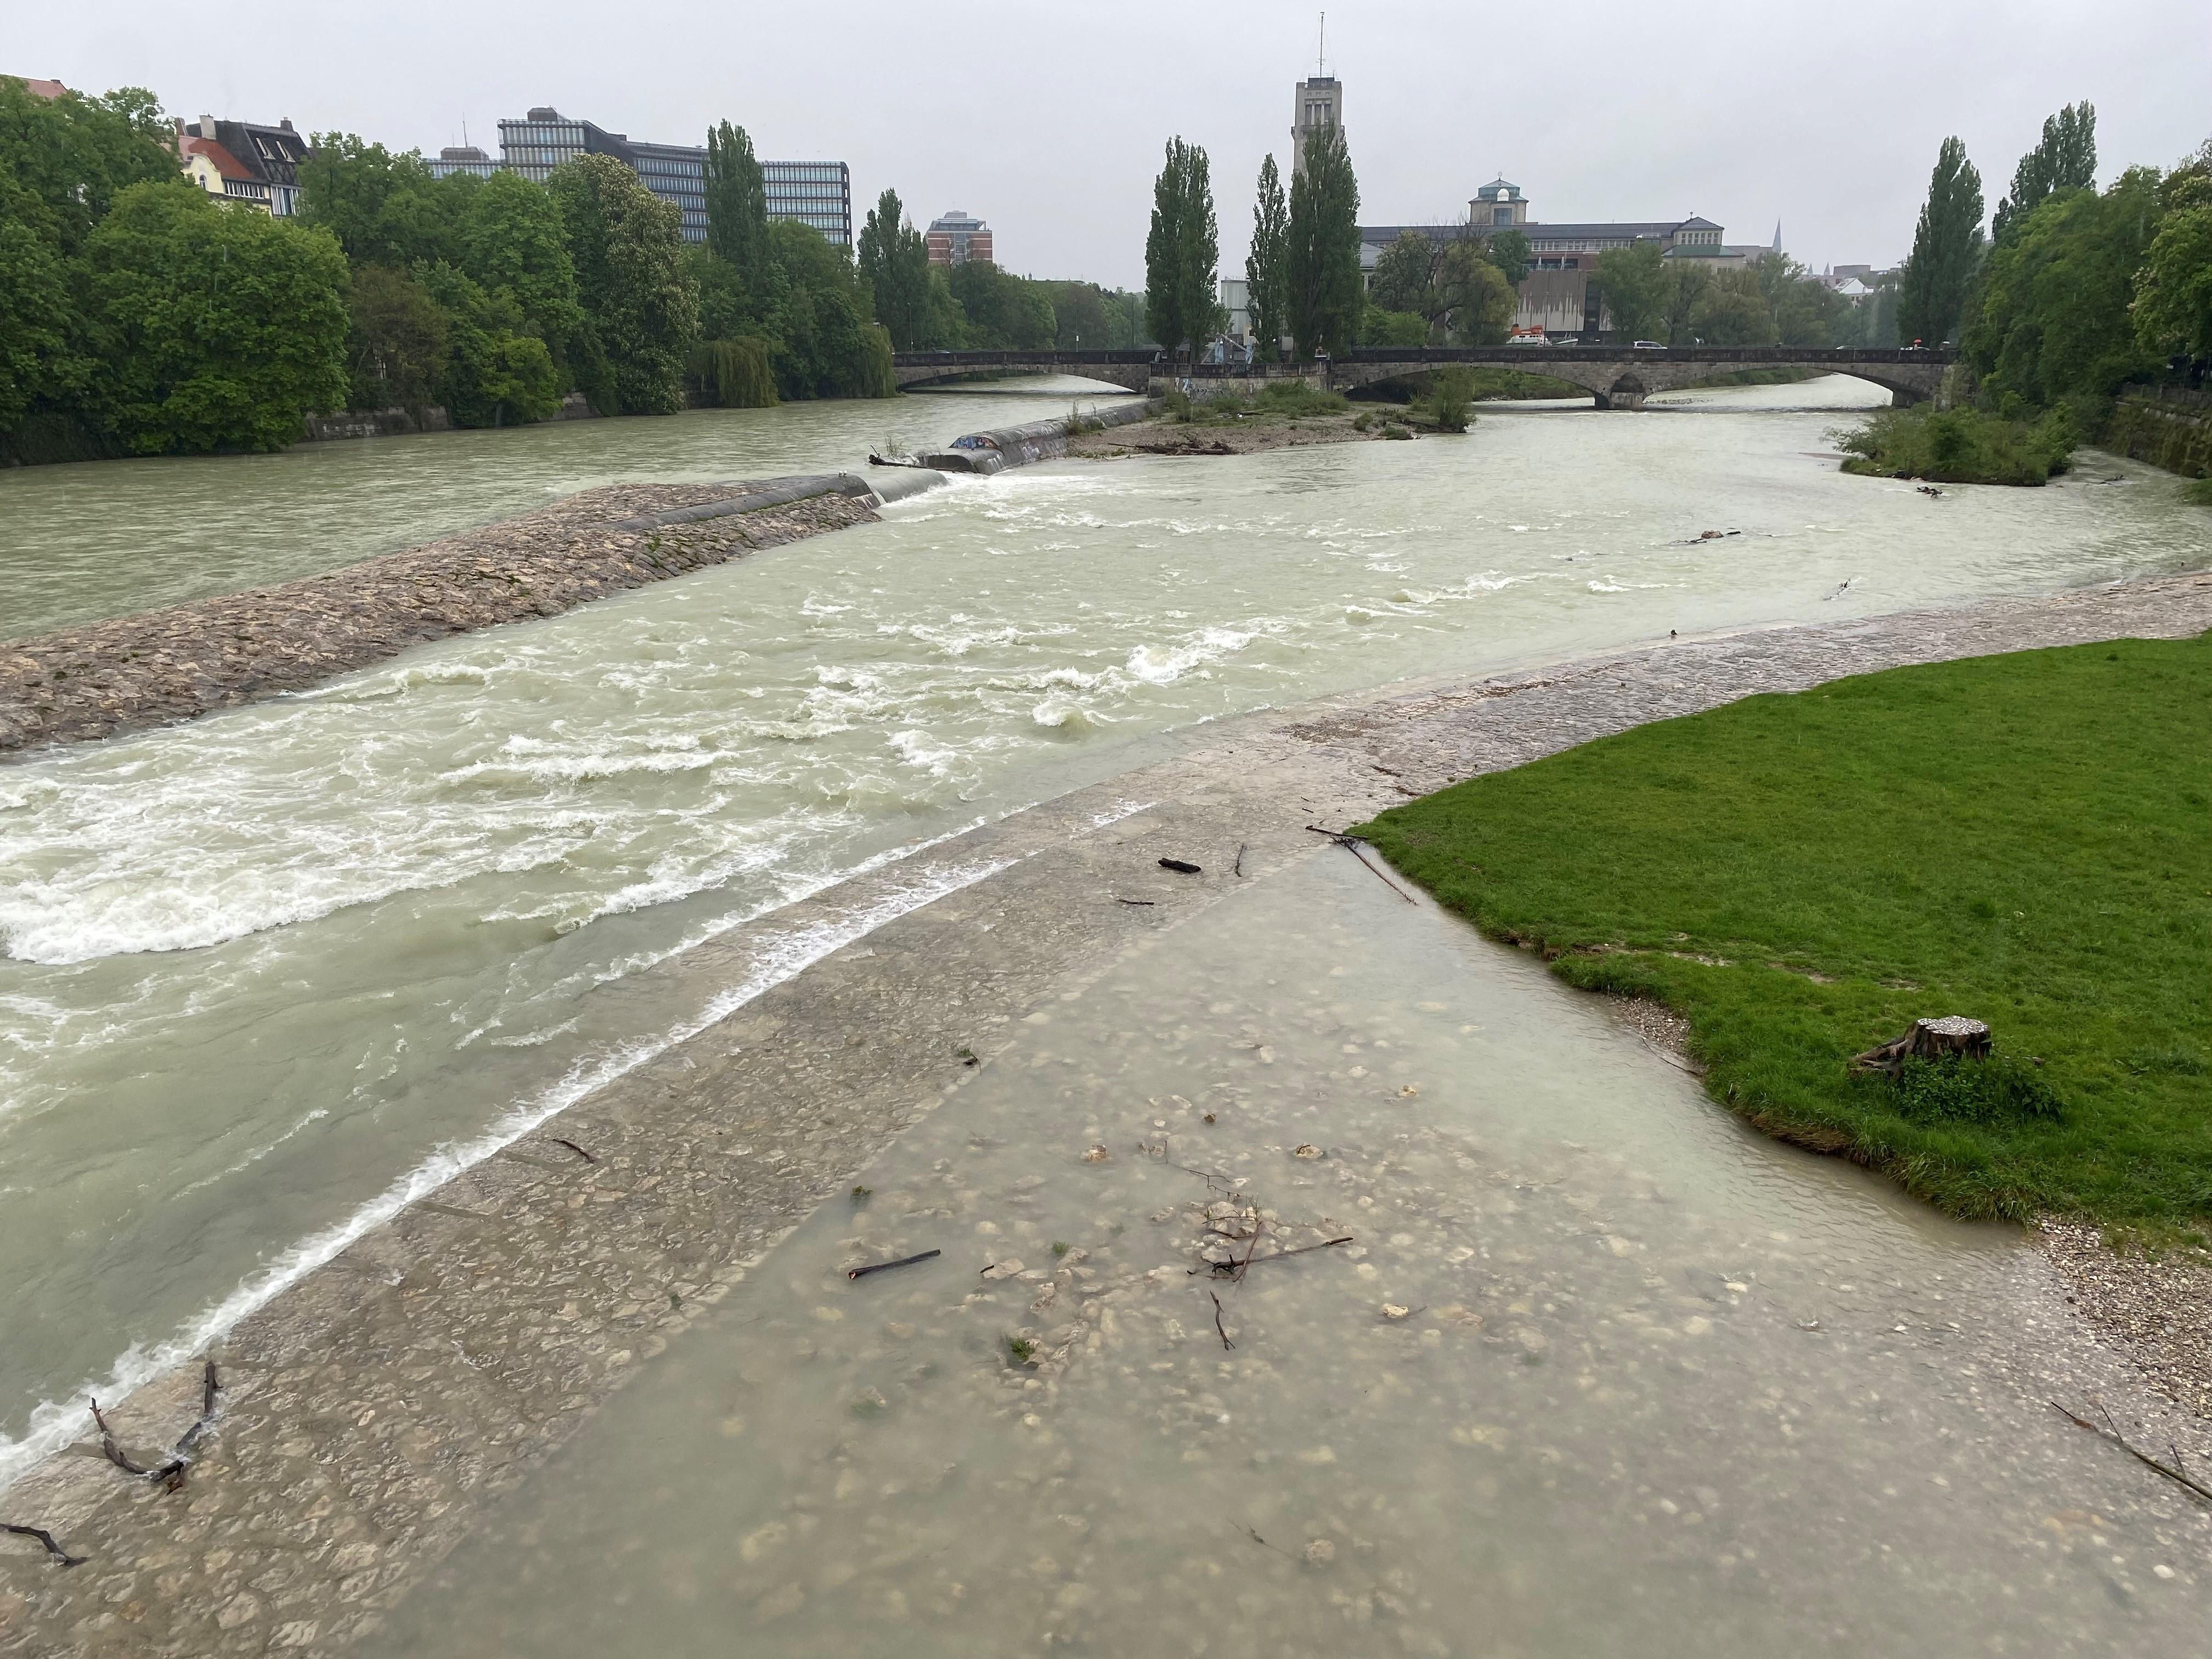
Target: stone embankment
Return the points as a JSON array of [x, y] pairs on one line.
[[2170, 426], [373, 1409], [127, 672]]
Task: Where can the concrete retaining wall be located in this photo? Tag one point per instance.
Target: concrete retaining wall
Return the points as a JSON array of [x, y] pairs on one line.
[[993, 452]]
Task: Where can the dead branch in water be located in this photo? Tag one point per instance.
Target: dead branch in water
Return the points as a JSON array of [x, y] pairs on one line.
[[1261, 1261], [1225, 1343], [885, 1267], [47, 1539], [575, 1148], [1352, 844], [170, 1474], [2110, 1431], [1238, 868]]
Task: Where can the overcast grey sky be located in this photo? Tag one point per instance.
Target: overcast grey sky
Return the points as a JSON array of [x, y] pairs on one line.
[[1047, 121]]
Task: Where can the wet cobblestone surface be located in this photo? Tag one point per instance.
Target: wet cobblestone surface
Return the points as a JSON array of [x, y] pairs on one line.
[[371, 1409]]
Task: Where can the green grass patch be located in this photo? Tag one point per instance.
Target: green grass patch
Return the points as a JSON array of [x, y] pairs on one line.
[[1960, 445], [2198, 490], [2026, 839]]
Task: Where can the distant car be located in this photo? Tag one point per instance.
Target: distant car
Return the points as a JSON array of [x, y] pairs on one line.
[[1528, 340], [1648, 345]]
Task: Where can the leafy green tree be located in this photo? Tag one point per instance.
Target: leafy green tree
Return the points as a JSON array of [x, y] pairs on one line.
[[38, 316], [1004, 312], [2065, 159], [1325, 294], [1128, 327], [2172, 309], [1182, 253], [1684, 285], [1510, 254], [384, 207], [737, 204], [69, 157], [1474, 300], [1079, 316], [894, 262], [512, 246], [641, 305], [497, 372], [1266, 275], [1947, 247], [825, 342], [2051, 322], [396, 340], [1405, 275], [1734, 311], [1806, 313], [224, 328], [1378, 327], [1633, 282]]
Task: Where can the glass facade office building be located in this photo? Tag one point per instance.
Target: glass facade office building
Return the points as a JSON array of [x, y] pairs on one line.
[[818, 194]]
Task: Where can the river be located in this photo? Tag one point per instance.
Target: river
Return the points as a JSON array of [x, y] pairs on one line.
[[268, 972]]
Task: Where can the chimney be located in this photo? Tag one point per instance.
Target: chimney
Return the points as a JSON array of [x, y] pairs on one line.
[[286, 122], [207, 126]]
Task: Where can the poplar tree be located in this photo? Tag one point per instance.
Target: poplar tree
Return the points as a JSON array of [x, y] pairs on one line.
[[1183, 251], [2066, 159], [1265, 278], [1947, 245], [737, 204], [894, 261], [1325, 294]]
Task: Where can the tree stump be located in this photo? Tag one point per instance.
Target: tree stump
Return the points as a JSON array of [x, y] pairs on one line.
[[1929, 1039]]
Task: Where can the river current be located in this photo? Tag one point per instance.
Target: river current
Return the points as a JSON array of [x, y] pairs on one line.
[[267, 973]]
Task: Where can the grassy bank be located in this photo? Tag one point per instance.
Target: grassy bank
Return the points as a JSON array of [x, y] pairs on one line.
[[1960, 445], [2026, 839]]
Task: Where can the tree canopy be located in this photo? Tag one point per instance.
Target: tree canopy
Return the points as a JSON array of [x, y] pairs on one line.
[[1266, 275], [641, 301], [1947, 247], [2065, 159], [1183, 251], [1325, 294]]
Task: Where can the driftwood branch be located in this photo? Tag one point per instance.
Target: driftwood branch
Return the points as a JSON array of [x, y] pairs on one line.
[[885, 1267], [1225, 1343], [1352, 844], [47, 1539], [2109, 1431], [558, 1141], [168, 1474]]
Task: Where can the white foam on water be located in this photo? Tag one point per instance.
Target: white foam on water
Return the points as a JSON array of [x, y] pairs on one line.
[[54, 1424]]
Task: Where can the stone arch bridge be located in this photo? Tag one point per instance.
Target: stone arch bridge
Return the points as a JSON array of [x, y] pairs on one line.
[[1616, 376]]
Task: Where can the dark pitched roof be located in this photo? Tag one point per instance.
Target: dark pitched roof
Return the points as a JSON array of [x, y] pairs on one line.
[[271, 155]]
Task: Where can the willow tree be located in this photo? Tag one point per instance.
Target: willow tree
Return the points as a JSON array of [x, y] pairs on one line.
[[1947, 245], [1265, 276], [1183, 251], [1326, 296]]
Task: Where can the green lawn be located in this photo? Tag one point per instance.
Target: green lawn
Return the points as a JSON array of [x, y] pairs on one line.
[[2027, 839]]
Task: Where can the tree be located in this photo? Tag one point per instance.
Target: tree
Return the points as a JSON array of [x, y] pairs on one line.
[[513, 247], [1265, 278], [1004, 313], [2051, 321], [1947, 245], [1323, 288], [384, 208], [1510, 254], [225, 327], [1806, 312], [894, 262], [737, 204], [496, 372], [2172, 309], [1080, 322], [1733, 311], [1684, 285], [640, 303], [69, 157], [1474, 299], [826, 343], [396, 341], [1379, 327], [2066, 159], [1405, 274], [1632, 283], [1183, 251]]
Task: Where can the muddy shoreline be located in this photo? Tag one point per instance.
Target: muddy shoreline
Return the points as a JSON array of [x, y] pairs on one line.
[[371, 1407], [1253, 438]]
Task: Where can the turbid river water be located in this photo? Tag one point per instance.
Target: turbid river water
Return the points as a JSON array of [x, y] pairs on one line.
[[1603, 1374], [267, 975]]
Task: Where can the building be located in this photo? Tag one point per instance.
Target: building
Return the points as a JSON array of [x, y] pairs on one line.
[[1558, 296], [1319, 103], [43, 88], [1236, 301], [957, 237], [244, 161], [818, 194]]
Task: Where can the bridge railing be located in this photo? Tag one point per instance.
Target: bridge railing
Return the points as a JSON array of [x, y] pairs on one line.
[[1020, 359], [1744, 356]]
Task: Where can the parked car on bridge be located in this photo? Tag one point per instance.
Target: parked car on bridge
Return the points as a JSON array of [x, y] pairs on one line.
[[1648, 345], [1529, 340]]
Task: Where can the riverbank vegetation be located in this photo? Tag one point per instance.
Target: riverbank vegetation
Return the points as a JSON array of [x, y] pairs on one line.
[[1803, 876], [1960, 445]]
